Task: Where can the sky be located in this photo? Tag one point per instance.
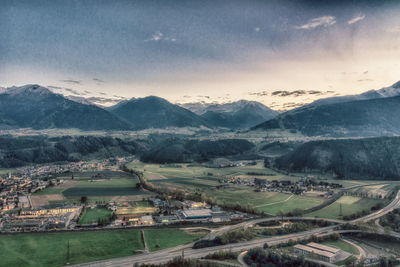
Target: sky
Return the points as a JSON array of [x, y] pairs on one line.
[[283, 53]]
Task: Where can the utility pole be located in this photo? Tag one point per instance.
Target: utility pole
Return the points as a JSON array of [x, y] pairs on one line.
[[68, 253]]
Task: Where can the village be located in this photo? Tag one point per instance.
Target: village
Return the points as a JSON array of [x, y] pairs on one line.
[[18, 214], [299, 187]]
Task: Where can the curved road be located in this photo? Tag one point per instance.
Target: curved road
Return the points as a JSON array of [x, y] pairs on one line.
[[168, 254]]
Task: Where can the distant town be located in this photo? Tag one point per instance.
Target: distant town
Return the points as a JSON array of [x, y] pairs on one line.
[[19, 214]]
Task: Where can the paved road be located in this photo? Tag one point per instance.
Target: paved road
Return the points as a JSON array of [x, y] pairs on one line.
[[169, 254], [376, 215], [241, 260], [362, 253]]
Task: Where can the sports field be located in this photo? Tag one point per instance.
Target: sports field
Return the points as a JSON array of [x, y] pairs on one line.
[[94, 215], [137, 207]]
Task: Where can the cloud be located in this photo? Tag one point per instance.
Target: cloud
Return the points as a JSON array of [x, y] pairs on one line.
[[324, 21], [72, 91], [263, 93], [257, 29], [395, 29], [159, 36], [356, 19], [54, 87], [288, 93], [98, 80], [71, 81], [364, 80], [103, 100], [296, 93]]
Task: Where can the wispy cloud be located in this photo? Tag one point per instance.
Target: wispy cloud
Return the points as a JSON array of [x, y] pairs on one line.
[[295, 93], [98, 80], [159, 36], [65, 90], [324, 21], [356, 19], [71, 81], [365, 80]]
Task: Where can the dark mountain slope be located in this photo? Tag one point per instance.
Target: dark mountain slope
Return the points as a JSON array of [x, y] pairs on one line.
[[374, 117], [183, 150], [155, 112], [37, 107], [370, 158]]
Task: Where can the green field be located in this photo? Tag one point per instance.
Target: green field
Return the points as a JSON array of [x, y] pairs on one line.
[[112, 187], [205, 180], [165, 238], [88, 175], [343, 246], [93, 215], [49, 249], [105, 184], [295, 202], [51, 190], [349, 204]]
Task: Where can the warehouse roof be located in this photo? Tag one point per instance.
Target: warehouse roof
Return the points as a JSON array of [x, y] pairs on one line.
[[323, 247]]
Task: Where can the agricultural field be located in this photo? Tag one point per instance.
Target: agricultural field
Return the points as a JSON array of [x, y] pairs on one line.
[[158, 239], [205, 180], [50, 249], [97, 186], [158, 172], [111, 187], [94, 215], [348, 206]]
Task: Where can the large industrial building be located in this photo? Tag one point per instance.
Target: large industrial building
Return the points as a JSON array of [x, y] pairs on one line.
[[196, 213], [322, 252]]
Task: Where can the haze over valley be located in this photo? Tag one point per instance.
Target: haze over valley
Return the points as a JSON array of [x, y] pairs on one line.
[[199, 133]]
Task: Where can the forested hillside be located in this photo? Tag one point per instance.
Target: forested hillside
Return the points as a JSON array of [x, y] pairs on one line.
[[19, 151], [370, 158], [183, 150]]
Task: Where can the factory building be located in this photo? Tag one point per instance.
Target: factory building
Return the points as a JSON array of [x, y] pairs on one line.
[[321, 252], [196, 213]]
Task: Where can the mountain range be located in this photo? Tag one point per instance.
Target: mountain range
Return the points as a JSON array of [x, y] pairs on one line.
[[367, 114], [156, 112], [33, 106], [235, 115], [37, 107]]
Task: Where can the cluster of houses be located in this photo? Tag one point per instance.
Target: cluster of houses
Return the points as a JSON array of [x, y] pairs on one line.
[[41, 219], [284, 186], [15, 191]]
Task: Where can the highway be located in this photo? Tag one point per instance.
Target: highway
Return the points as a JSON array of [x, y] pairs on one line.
[[376, 215], [168, 254]]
